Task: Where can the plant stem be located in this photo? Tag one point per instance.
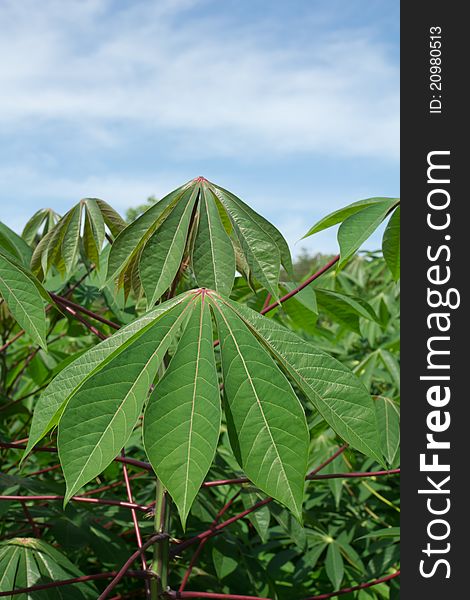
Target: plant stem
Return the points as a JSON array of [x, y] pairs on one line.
[[55, 584], [125, 567], [159, 584], [63, 300], [135, 520], [48, 498], [301, 286]]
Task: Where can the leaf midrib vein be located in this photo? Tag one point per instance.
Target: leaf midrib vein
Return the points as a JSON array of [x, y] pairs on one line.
[[258, 402]]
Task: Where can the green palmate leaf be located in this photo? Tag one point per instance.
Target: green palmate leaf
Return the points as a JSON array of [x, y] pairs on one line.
[[182, 418], [26, 562], [60, 246], [129, 278], [355, 230], [133, 238], [269, 229], [49, 249], [36, 264], [261, 251], [226, 222], [21, 292], [242, 265], [213, 253], [94, 230], [220, 226], [161, 257], [391, 244], [388, 418], [26, 271], [266, 423], [71, 239], [112, 219], [345, 309], [334, 565], [333, 389], [92, 249], [52, 401], [13, 245], [266, 226], [338, 216], [53, 250], [286, 259], [32, 226], [100, 415]]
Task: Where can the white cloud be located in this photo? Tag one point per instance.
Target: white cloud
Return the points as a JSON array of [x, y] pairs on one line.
[[216, 90], [60, 193]]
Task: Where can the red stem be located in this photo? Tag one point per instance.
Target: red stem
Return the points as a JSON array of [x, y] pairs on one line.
[[27, 360], [19, 446], [77, 499], [36, 530], [267, 301], [73, 287], [135, 463], [215, 530], [23, 447], [48, 308], [296, 290], [134, 518], [41, 471], [110, 486], [216, 596], [82, 320], [82, 579], [357, 474], [217, 482], [178, 595], [327, 461], [300, 287], [192, 562], [123, 570], [13, 402], [132, 594], [202, 543], [13, 339], [355, 587], [85, 311]]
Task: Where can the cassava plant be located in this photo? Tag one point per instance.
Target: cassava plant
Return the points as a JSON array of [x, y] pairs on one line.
[[213, 362]]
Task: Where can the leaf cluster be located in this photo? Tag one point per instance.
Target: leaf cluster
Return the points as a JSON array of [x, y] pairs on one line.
[[199, 383]]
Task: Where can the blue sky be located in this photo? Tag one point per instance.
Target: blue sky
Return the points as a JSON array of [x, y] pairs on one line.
[[292, 105]]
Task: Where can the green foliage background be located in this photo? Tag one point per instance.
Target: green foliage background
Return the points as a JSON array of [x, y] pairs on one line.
[[349, 532]]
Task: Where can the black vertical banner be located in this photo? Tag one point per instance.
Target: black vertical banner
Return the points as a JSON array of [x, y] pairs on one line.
[[435, 323]]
